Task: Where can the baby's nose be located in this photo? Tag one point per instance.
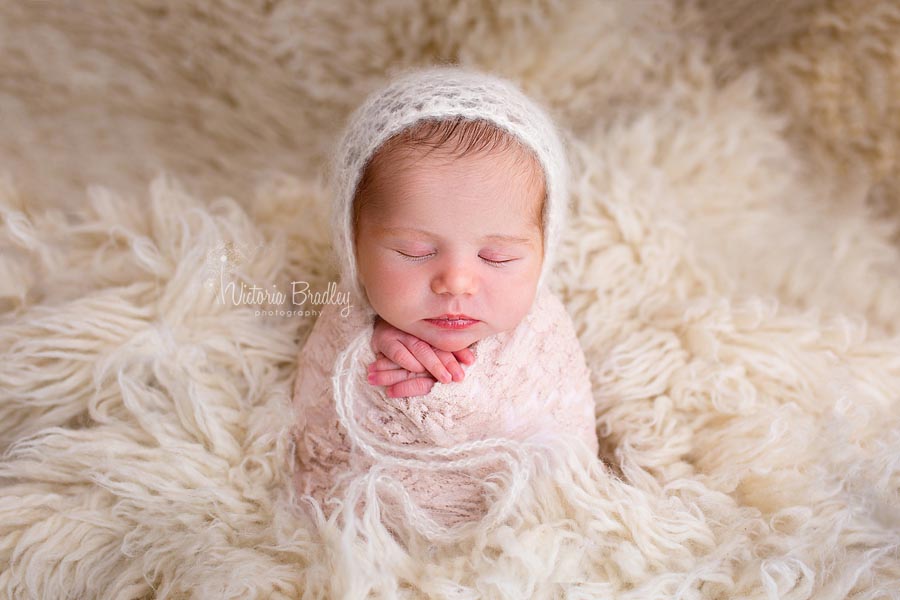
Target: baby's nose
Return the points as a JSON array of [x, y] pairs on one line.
[[455, 280]]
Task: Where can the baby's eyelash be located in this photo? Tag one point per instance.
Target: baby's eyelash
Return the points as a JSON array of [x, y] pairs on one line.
[[414, 258], [496, 263]]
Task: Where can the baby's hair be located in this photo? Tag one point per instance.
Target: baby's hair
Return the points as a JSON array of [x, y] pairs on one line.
[[457, 137]]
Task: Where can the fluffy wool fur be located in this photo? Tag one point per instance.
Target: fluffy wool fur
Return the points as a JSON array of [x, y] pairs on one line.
[[737, 310]]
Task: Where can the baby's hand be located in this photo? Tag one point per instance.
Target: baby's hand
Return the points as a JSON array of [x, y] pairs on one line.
[[409, 365], [399, 381]]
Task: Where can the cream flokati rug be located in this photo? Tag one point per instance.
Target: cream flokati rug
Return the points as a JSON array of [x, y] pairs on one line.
[[737, 301]]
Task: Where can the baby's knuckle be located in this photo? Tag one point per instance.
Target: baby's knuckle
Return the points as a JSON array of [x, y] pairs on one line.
[[394, 350], [420, 346]]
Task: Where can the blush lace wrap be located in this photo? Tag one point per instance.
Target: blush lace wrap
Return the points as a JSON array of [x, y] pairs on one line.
[[529, 384]]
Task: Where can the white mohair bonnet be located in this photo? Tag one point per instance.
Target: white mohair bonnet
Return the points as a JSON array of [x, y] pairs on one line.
[[439, 92]]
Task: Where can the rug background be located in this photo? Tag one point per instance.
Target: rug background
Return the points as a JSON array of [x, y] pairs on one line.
[[732, 271]]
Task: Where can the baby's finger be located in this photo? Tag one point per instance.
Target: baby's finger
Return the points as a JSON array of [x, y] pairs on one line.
[[426, 355], [400, 354], [386, 378], [451, 364], [383, 363], [418, 386], [465, 356]]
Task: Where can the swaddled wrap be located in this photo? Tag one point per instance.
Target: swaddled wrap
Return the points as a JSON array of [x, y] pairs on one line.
[[530, 384]]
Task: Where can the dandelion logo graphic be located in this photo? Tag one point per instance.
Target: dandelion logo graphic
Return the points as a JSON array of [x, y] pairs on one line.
[[223, 263]]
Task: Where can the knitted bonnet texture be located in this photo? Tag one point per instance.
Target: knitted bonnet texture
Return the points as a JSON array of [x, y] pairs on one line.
[[441, 92]]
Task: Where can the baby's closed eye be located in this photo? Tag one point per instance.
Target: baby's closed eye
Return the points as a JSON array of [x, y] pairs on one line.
[[490, 259]]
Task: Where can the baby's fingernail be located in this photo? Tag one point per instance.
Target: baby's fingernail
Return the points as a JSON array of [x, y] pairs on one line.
[[371, 377], [446, 377]]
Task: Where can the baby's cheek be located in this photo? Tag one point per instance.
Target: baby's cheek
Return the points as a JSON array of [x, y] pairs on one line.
[[394, 286], [515, 309], [394, 279]]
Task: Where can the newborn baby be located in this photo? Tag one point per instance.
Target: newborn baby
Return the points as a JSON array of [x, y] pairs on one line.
[[451, 195]]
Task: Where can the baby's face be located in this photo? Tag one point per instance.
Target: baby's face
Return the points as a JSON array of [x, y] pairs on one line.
[[452, 236]]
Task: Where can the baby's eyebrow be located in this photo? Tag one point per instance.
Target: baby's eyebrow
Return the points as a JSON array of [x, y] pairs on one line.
[[511, 239], [496, 237]]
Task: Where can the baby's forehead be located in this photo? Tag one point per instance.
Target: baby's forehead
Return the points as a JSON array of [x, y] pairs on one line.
[[406, 173], [399, 193]]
